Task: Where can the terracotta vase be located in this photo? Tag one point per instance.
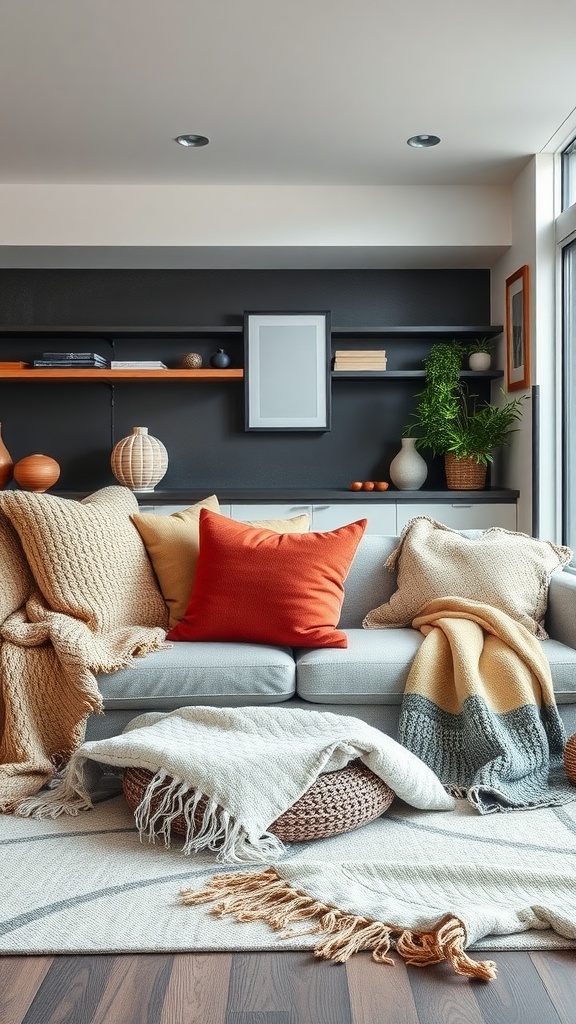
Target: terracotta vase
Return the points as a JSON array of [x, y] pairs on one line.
[[36, 472], [6, 463], [139, 461]]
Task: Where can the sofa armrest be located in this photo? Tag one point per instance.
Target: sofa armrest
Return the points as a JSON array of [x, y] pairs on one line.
[[561, 613]]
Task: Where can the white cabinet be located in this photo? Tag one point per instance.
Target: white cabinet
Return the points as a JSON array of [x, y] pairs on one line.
[[381, 517], [246, 513], [461, 515], [168, 510]]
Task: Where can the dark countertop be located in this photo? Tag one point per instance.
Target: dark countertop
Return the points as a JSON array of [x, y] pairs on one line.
[[307, 496]]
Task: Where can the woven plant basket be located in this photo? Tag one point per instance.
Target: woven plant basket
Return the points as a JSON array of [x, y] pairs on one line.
[[337, 802], [464, 474], [570, 759]]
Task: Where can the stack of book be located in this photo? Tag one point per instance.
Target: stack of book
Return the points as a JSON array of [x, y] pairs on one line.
[[138, 364], [360, 359], [71, 361]]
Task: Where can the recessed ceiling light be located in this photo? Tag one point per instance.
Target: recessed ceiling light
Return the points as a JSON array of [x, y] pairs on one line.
[[423, 141], [192, 140]]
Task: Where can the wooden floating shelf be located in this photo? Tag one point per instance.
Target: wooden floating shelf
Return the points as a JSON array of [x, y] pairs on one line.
[[119, 376]]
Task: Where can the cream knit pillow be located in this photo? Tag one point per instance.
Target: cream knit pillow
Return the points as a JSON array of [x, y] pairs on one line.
[[87, 558], [15, 576], [509, 571]]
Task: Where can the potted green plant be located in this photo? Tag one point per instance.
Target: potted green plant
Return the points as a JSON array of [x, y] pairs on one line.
[[451, 422], [480, 353]]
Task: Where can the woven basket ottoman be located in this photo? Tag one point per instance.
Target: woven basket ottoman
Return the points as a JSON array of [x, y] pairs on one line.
[[336, 802]]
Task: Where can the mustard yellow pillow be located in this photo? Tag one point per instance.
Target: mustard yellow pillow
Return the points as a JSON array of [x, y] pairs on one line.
[[172, 543]]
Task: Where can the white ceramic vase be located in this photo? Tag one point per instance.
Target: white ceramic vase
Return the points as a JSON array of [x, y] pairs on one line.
[[479, 361], [139, 461], [408, 470]]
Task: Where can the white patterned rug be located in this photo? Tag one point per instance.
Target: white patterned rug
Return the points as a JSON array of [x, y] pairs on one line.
[[87, 884]]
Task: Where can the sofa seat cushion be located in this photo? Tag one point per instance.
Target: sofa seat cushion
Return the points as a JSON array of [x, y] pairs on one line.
[[372, 670], [219, 674], [562, 661]]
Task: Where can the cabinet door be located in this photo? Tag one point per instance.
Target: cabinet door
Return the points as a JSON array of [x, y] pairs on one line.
[[246, 513], [381, 517], [462, 515], [168, 510]]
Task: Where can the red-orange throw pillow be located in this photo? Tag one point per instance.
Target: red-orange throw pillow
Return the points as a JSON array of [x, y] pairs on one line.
[[257, 586]]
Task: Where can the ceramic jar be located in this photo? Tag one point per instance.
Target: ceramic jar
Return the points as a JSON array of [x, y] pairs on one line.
[[408, 470], [139, 461], [479, 361], [220, 360], [36, 472]]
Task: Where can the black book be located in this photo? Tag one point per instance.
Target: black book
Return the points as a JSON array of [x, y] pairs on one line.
[[75, 356]]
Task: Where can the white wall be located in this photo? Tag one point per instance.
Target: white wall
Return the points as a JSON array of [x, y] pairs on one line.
[[533, 244], [142, 215]]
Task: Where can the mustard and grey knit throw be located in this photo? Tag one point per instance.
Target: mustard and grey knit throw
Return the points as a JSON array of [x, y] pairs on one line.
[[479, 708]]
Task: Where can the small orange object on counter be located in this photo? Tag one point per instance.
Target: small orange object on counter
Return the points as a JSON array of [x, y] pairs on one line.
[[381, 485], [356, 485], [368, 485]]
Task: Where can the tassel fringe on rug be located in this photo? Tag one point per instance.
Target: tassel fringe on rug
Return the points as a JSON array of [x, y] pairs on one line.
[[265, 896]]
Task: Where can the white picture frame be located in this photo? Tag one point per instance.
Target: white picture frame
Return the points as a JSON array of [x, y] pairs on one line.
[[287, 370]]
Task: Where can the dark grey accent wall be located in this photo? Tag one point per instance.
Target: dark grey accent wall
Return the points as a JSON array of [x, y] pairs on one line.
[[202, 425]]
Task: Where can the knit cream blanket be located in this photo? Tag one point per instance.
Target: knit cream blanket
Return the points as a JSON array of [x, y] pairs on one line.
[[48, 663], [249, 764], [77, 597]]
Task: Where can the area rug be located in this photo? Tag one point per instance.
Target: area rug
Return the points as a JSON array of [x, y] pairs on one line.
[[87, 884]]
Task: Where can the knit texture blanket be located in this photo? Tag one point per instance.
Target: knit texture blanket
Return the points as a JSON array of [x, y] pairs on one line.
[[77, 598], [479, 708], [249, 764]]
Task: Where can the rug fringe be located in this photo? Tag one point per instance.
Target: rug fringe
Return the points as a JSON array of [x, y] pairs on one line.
[[265, 896]]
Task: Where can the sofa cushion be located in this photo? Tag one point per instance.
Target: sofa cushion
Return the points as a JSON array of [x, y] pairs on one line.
[[253, 585], [507, 570], [372, 670], [172, 544], [223, 675], [87, 557]]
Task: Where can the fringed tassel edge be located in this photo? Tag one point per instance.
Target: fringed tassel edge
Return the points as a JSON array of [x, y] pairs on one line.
[[265, 896]]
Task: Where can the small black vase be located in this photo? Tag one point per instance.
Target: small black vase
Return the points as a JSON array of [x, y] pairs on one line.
[[220, 359]]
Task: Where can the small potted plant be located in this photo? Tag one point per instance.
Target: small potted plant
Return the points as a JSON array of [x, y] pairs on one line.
[[480, 353], [451, 422]]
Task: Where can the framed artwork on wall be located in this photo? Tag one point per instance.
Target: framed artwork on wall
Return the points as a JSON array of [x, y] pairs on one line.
[[287, 360], [518, 330]]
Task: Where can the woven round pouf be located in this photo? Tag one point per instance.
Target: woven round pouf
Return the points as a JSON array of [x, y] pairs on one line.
[[570, 759], [336, 802]]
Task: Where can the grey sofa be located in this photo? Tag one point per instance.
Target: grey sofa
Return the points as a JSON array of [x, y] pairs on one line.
[[365, 680]]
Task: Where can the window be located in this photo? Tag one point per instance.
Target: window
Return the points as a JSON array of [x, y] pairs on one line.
[[569, 398], [569, 175]]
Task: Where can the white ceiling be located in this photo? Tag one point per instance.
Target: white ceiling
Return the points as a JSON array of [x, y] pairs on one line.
[[288, 91]]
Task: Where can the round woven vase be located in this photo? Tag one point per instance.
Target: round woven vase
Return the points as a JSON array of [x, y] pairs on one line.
[[464, 474], [336, 802], [139, 461]]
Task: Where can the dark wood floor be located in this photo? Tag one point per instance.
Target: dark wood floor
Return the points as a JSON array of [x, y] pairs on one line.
[[281, 988]]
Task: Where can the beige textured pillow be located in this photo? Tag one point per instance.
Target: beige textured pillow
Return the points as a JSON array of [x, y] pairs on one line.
[[15, 576], [172, 542], [509, 571], [87, 558]]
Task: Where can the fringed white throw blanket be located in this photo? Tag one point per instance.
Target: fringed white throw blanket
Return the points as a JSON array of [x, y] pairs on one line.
[[250, 764]]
